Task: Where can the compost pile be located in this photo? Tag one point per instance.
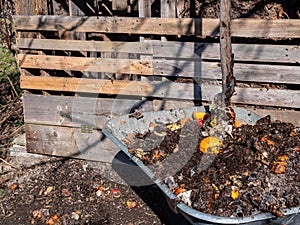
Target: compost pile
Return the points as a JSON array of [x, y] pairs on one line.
[[255, 169]]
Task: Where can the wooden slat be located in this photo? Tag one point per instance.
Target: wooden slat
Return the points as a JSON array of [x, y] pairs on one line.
[[126, 66], [86, 85], [120, 5], [178, 50], [254, 96], [78, 111], [162, 26], [69, 142], [144, 8], [168, 8], [77, 45], [243, 72], [163, 67], [94, 112], [242, 52], [289, 116]]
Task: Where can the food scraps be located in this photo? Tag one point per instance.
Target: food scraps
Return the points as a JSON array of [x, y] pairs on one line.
[[251, 167], [131, 203]]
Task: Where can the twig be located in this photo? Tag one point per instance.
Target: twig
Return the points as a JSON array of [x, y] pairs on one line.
[[12, 134], [8, 163], [12, 85]]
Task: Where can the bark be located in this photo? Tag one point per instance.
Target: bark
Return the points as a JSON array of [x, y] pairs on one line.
[[228, 80]]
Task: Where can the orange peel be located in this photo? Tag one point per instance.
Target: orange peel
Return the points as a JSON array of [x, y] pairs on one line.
[[270, 142], [131, 203], [211, 145], [238, 124], [180, 190], [200, 115], [279, 166], [235, 193]]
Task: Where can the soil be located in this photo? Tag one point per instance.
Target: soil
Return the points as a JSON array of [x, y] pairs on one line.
[[265, 179], [50, 190]]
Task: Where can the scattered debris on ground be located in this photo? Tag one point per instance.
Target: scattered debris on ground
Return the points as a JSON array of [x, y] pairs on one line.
[[47, 190]]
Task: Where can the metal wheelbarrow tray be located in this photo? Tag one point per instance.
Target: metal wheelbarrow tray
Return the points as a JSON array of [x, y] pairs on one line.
[[118, 128]]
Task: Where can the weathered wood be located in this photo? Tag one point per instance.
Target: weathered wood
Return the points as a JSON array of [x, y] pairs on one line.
[[79, 85], [94, 112], [120, 5], [78, 45], [178, 50], [259, 73], [126, 66], [289, 116], [172, 90], [180, 68], [78, 8], [168, 8], [31, 7], [162, 26], [145, 8], [228, 80], [69, 142], [78, 111], [181, 10]]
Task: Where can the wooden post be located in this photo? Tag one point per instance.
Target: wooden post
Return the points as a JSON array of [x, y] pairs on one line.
[[228, 80], [168, 8]]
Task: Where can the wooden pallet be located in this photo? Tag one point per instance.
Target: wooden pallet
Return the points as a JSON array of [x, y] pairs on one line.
[[71, 94]]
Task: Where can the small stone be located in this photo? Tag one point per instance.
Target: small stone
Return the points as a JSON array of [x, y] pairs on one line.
[[75, 216]]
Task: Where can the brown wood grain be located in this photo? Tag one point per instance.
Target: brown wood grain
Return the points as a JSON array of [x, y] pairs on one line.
[[257, 28], [126, 66], [79, 85], [261, 73], [171, 49], [80, 45], [164, 89]]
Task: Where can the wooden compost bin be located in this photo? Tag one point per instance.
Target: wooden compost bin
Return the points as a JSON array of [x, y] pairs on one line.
[[80, 68]]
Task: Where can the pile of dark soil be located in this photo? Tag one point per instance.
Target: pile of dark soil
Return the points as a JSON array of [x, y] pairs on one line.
[[257, 170]]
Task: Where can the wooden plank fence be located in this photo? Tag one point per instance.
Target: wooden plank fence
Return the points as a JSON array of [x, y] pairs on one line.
[[257, 28], [70, 92]]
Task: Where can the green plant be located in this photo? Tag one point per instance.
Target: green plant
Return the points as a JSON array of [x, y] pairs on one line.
[[9, 72]]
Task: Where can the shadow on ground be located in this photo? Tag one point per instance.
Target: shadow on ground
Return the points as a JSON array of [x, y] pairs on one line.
[[146, 190]]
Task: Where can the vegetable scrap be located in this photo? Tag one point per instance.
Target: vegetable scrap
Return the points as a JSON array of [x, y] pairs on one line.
[[211, 145], [131, 203]]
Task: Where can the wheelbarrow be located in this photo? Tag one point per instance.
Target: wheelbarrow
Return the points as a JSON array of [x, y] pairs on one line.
[[117, 129]]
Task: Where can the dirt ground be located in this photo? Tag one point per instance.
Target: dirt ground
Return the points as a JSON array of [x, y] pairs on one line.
[[50, 190]]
